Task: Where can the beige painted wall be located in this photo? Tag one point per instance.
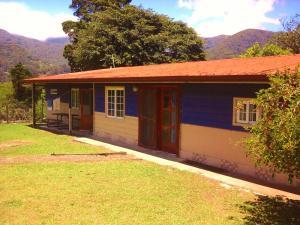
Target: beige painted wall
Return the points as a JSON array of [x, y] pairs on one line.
[[223, 149], [123, 130]]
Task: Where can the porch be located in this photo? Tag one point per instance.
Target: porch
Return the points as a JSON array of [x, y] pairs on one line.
[[69, 107]]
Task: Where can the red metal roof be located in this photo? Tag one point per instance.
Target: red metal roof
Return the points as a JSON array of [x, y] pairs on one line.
[[237, 69]]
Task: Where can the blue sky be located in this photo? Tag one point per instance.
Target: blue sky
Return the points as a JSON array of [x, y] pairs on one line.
[[207, 17]]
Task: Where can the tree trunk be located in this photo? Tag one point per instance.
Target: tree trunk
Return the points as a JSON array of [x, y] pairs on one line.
[[7, 119]]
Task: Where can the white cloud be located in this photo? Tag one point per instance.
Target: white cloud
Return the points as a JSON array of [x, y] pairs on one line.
[[18, 18], [215, 17]]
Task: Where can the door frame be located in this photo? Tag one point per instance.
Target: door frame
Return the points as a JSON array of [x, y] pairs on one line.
[[82, 90], [160, 125], [159, 88], [140, 88]]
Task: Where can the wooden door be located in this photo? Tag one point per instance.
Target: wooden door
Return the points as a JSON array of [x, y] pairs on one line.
[[86, 109], [148, 117], [169, 119]]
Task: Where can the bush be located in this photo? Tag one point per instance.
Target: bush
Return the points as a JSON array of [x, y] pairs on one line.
[[274, 141], [12, 110]]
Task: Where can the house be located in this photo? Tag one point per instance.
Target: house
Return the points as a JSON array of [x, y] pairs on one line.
[[189, 109]]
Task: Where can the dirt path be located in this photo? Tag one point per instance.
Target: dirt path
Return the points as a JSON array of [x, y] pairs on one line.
[[64, 158], [13, 143]]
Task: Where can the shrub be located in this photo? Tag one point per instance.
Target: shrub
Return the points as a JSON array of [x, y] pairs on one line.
[[274, 141]]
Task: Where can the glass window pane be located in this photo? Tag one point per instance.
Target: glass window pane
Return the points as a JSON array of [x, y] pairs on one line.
[[252, 113], [115, 102], [243, 112]]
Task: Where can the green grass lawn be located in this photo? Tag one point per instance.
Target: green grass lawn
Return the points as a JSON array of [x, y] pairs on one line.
[[119, 192], [40, 142], [113, 192]]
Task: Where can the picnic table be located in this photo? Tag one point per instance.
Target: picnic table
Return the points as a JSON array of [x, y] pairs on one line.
[[59, 122]]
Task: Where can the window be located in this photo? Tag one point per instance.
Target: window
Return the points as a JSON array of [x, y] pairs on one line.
[[245, 111], [115, 101], [53, 91], [75, 97], [56, 104]]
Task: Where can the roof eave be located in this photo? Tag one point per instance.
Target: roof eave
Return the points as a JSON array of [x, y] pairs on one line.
[[181, 79]]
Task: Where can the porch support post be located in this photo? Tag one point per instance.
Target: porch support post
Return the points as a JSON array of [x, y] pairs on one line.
[[93, 123], [70, 114], [33, 105]]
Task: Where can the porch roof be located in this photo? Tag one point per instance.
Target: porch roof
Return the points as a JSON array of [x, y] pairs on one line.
[[227, 70]]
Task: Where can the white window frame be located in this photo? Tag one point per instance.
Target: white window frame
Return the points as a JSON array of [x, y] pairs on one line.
[[75, 102], [236, 111], [115, 89]]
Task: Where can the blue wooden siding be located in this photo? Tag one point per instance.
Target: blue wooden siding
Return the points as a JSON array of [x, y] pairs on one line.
[[63, 92], [131, 101], [99, 98], [130, 98], [208, 105], [211, 105]]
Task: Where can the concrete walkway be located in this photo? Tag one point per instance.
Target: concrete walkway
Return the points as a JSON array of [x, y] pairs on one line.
[[225, 181]]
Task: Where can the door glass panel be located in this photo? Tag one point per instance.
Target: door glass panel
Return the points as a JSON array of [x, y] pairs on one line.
[[166, 101], [173, 135], [166, 118], [169, 117], [174, 100], [165, 136], [174, 118]]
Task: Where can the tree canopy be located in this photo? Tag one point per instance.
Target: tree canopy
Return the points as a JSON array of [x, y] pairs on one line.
[[274, 141], [268, 50], [17, 74], [114, 32], [290, 36]]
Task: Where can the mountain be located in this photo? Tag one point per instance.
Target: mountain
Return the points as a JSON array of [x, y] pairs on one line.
[[46, 57], [229, 46], [40, 57], [213, 41], [59, 40]]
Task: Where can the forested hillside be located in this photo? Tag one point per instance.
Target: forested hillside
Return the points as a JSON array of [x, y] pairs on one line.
[[229, 46], [38, 56], [47, 57]]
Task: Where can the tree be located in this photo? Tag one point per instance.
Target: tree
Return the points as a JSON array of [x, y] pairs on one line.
[[290, 37], [84, 9], [274, 141], [41, 105], [268, 50], [115, 32], [17, 74]]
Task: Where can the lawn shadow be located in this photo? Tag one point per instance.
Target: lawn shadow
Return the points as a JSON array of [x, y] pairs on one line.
[[271, 210]]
